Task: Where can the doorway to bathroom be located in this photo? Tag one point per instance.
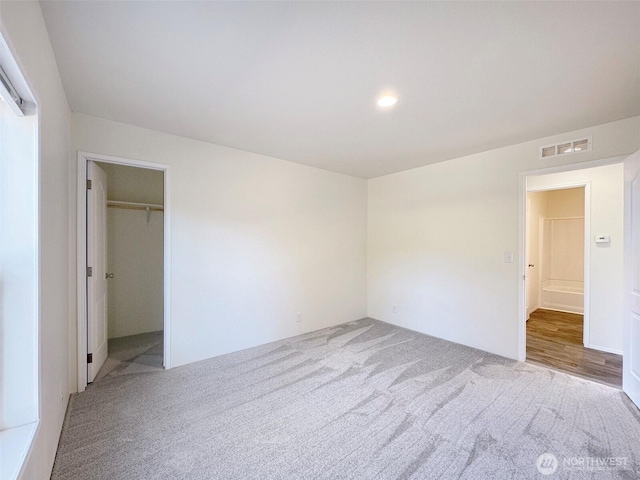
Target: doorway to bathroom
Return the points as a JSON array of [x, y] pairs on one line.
[[572, 259], [556, 243]]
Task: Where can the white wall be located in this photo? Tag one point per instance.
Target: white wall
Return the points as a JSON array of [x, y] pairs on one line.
[[437, 236], [565, 203], [135, 257], [606, 276], [133, 184], [23, 27], [254, 240]]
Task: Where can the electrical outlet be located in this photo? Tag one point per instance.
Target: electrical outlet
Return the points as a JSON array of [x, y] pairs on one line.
[[298, 317]]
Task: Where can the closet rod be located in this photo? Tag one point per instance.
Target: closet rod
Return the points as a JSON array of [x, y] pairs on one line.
[[135, 206]]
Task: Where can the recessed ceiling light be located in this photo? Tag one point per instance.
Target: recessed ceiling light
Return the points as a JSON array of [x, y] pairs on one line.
[[387, 101]]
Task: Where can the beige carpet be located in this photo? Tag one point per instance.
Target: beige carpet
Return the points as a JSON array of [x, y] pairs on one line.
[[364, 400]]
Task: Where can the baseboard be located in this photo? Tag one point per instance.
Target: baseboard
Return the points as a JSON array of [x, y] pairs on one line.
[[604, 349]]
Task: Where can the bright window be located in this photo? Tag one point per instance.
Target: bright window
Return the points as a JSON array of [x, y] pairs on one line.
[[18, 268]]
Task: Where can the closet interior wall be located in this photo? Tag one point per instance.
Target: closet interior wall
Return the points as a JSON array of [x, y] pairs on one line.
[[135, 246]]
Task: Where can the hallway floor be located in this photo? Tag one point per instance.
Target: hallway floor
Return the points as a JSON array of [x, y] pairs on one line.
[[133, 354], [554, 339]]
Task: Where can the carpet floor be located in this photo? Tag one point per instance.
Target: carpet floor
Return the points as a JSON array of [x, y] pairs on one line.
[[363, 400]]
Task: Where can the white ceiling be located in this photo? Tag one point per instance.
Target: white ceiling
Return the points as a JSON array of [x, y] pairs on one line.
[[298, 80]]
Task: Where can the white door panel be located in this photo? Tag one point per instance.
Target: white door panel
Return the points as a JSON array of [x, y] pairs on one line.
[[527, 259], [97, 339], [631, 354]]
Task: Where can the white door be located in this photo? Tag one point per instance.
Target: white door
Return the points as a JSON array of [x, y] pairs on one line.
[[631, 351], [97, 344], [527, 257]]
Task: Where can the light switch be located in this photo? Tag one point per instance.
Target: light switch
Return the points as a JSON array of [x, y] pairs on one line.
[[508, 257]]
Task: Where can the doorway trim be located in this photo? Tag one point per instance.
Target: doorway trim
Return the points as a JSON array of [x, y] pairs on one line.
[[81, 270], [522, 238]]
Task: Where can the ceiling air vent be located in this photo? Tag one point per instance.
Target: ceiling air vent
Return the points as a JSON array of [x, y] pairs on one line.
[[565, 148]]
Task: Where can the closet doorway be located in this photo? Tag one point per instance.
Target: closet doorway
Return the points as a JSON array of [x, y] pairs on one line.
[[122, 327]]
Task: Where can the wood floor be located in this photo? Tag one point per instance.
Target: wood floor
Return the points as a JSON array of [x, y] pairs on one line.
[[554, 339]]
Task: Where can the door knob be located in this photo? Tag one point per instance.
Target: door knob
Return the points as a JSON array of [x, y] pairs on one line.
[[108, 275], [531, 265]]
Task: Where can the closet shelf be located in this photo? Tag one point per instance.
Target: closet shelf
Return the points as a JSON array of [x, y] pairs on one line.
[[135, 206]]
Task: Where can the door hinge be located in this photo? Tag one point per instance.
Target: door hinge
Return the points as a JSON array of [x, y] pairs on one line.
[[89, 357], [88, 184], [89, 271]]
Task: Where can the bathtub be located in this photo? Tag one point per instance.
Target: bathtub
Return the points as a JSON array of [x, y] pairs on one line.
[[563, 295]]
